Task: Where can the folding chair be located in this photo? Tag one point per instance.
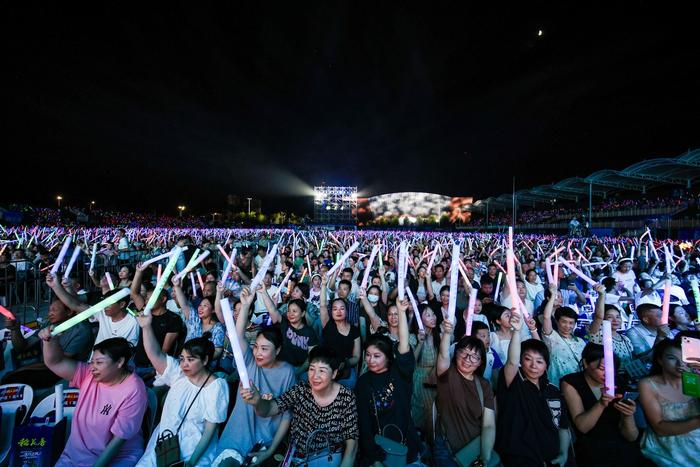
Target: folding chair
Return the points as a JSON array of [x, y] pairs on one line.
[[13, 397]]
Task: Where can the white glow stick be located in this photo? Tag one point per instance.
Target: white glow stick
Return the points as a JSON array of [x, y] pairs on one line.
[[632, 254], [159, 273], [58, 402], [71, 262], [229, 265], [163, 279], [368, 269], [416, 313], [343, 258], [578, 272], [285, 280], [454, 278], [470, 312], [401, 271], [263, 269], [108, 276], [432, 260], [235, 343], [61, 255], [608, 359], [92, 258], [665, 303], [498, 287], [193, 264], [548, 270], [69, 323], [667, 258], [160, 257], [194, 287]]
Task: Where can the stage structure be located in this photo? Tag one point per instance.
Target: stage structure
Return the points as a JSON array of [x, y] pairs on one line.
[[335, 204]]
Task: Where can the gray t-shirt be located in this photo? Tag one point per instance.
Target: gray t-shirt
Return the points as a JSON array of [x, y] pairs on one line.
[[244, 428], [76, 341]]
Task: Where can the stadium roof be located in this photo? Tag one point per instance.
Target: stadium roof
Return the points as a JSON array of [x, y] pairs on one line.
[[682, 170]]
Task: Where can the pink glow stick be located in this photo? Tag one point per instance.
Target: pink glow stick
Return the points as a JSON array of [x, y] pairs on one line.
[[608, 359], [577, 271], [201, 281], [223, 253], [160, 271], [7, 313], [665, 304]]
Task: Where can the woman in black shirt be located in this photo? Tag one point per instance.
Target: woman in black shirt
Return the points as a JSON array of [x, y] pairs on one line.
[[384, 394], [605, 429], [532, 426]]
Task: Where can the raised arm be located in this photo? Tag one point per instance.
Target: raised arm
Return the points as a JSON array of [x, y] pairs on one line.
[[242, 322], [53, 355], [181, 298], [443, 360], [69, 300], [271, 307], [547, 314], [599, 310], [135, 294], [404, 346], [150, 344], [374, 319], [512, 365], [385, 286]]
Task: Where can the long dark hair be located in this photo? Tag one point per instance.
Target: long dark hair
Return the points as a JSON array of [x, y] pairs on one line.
[[658, 354], [436, 330]]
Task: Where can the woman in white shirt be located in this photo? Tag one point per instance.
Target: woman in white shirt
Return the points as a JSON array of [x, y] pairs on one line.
[[196, 396]]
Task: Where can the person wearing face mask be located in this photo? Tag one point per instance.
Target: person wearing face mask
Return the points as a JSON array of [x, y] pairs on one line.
[[384, 394], [374, 310], [272, 377], [196, 402], [106, 424], [532, 426], [466, 411], [673, 436], [605, 427], [564, 347]]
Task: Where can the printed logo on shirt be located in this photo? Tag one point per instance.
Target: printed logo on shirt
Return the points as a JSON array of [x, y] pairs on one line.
[[106, 409], [296, 340], [555, 409]]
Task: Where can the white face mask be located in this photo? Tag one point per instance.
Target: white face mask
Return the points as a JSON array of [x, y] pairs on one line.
[[373, 299]]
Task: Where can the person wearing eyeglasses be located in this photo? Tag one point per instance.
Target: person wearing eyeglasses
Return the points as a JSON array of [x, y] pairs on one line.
[[466, 411]]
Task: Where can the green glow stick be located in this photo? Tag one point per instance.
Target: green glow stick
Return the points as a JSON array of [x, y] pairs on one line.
[[69, 323], [163, 280]]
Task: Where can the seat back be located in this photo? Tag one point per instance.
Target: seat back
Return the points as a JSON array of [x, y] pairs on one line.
[[149, 417], [48, 404], [12, 398]]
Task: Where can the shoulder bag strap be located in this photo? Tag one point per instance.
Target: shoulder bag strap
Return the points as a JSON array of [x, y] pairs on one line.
[[191, 403], [479, 391]]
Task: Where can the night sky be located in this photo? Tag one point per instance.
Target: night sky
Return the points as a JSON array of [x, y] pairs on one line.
[[151, 108]]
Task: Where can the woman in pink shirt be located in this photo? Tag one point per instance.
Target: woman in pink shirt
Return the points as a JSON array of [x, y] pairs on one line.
[[106, 425]]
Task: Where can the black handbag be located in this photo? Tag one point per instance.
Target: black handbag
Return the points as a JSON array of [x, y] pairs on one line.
[[168, 444]]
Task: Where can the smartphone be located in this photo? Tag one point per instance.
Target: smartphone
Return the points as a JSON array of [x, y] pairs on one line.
[[178, 464], [630, 395], [690, 349]]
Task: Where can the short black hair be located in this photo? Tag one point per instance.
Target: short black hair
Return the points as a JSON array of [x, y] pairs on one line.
[[325, 354], [644, 308], [535, 345], [115, 348], [382, 343], [478, 326], [565, 312], [200, 347]]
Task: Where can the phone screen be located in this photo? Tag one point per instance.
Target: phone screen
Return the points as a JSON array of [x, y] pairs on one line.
[[690, 349]]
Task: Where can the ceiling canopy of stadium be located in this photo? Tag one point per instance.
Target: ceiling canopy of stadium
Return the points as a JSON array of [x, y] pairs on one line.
[[681, 170]]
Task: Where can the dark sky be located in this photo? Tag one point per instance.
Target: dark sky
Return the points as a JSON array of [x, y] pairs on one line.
[[149, 109]]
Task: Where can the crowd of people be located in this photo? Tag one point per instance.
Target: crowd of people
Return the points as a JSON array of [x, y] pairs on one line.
[[353, 355]]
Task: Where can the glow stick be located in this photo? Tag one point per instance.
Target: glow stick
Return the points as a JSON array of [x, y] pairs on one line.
[[308, 264], [368, 269], [223, 252], [163, 279], [229, 265], [201, 281], [8, 314], [632, 254], [263, 269], [194, 287], [285, 280], [108, 276], [665, 304], [432, 260], [608, 359], [61, 255], [92, 258], [667, 258], [470, 312], [498, 287], [401, 272], [160, 272], [454, 277], [343, 258], [555, 274], [58, 402], [160, 257], [235, 343], [578, 272], [193, 258], [416, 313], [71, 262], [193, 264], [82, 316]]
